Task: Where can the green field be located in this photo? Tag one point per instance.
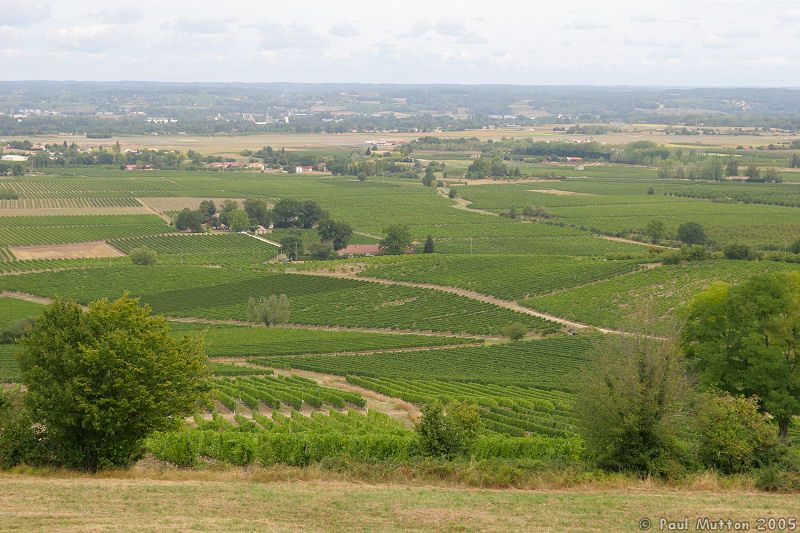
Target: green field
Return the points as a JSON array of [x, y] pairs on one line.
[[665, 289], [36, 230], [223, 294]]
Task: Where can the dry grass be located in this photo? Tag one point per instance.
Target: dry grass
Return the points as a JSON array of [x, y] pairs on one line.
[[312, 499], [89, 250]]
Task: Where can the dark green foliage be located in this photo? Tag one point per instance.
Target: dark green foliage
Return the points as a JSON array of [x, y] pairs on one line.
[[293, 245], [338, 233], [321, 250], [101, 380], [207, 210], [745, 339], [738, 251], [428, 248], [691, 233], [258, 212], [632, 406], [448, 431], [188, 219], [396, 240], [21, 441]]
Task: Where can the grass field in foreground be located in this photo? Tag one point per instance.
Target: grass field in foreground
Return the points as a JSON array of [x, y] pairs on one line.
[[34, 503]]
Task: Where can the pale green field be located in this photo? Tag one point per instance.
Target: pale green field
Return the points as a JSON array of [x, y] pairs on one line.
[[97, 504]]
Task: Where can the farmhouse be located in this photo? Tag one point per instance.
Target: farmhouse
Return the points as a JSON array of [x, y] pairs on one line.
[[305, 168], [360, 249]]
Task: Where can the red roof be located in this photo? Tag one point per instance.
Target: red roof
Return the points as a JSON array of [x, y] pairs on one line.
[[360, 249]]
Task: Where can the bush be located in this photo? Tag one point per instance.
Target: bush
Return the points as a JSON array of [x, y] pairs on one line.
[[515, 331], [321, 250], [270, 310], [776, 479], [448, 431], [671, 258], [691, 233], [537, 212], [142, 256], [21, 441], [738, 251], [16, 330], [733, 436]]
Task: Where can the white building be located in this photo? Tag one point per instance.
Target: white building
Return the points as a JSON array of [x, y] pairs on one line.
[[14, 157]]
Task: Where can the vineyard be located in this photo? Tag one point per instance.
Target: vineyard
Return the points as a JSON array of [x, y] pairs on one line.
[[202, 249], [67, 203], [223, 294], [511, 277], [667, 288], [243, 341], [550, 363], [30, 230], [508, 410]]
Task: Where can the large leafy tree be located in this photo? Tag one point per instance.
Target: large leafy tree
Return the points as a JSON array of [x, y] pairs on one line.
[[745, 339], [99, 381], [258, 212], [396, 240], [338, 233]]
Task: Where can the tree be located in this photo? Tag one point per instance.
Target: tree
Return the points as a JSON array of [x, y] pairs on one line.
[[452, 193], [269, 310], [631, 407], [362, 176], [100, 381], [238, 220], [321, 250], [745, 339], [772, 175], [312, 213], [293, 245], [207, 210], [142, 256], [732, 167], [228, 207], [448, 431], [655, 230], [691, 233], [428, 249], [287, 213], [258, 212], [396, 240], [188, 219], [753, 173], [338, 233], [515, 331]]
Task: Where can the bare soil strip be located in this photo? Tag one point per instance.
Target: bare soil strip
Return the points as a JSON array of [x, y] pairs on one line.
[[559, 192], [78, 250]]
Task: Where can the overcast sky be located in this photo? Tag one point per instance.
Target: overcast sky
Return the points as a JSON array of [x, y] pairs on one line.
[[732, 42]]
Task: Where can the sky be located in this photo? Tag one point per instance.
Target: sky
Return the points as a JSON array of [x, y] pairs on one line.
[[586, 42]]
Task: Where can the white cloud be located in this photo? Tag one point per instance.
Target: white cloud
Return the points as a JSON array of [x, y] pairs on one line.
[[584, 24], [91, 39], [344, 29], [453, 30], [275, 36], [716, 42], [122, 15], [197, 25], [14, 13]]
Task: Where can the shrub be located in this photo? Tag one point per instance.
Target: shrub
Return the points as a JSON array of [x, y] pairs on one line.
[[269, 310], [691, 233], [515, 331], [738, 251], [16, 330], [537, 212], [321, 250], [448, 431], [21, 441], [142, 256], [733, 436], [630, 407]]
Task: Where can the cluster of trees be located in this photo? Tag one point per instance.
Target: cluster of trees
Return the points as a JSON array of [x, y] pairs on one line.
[[490, 167], [721, 392], [560, 149], [287, 213], [62, 155], [11, 169]]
